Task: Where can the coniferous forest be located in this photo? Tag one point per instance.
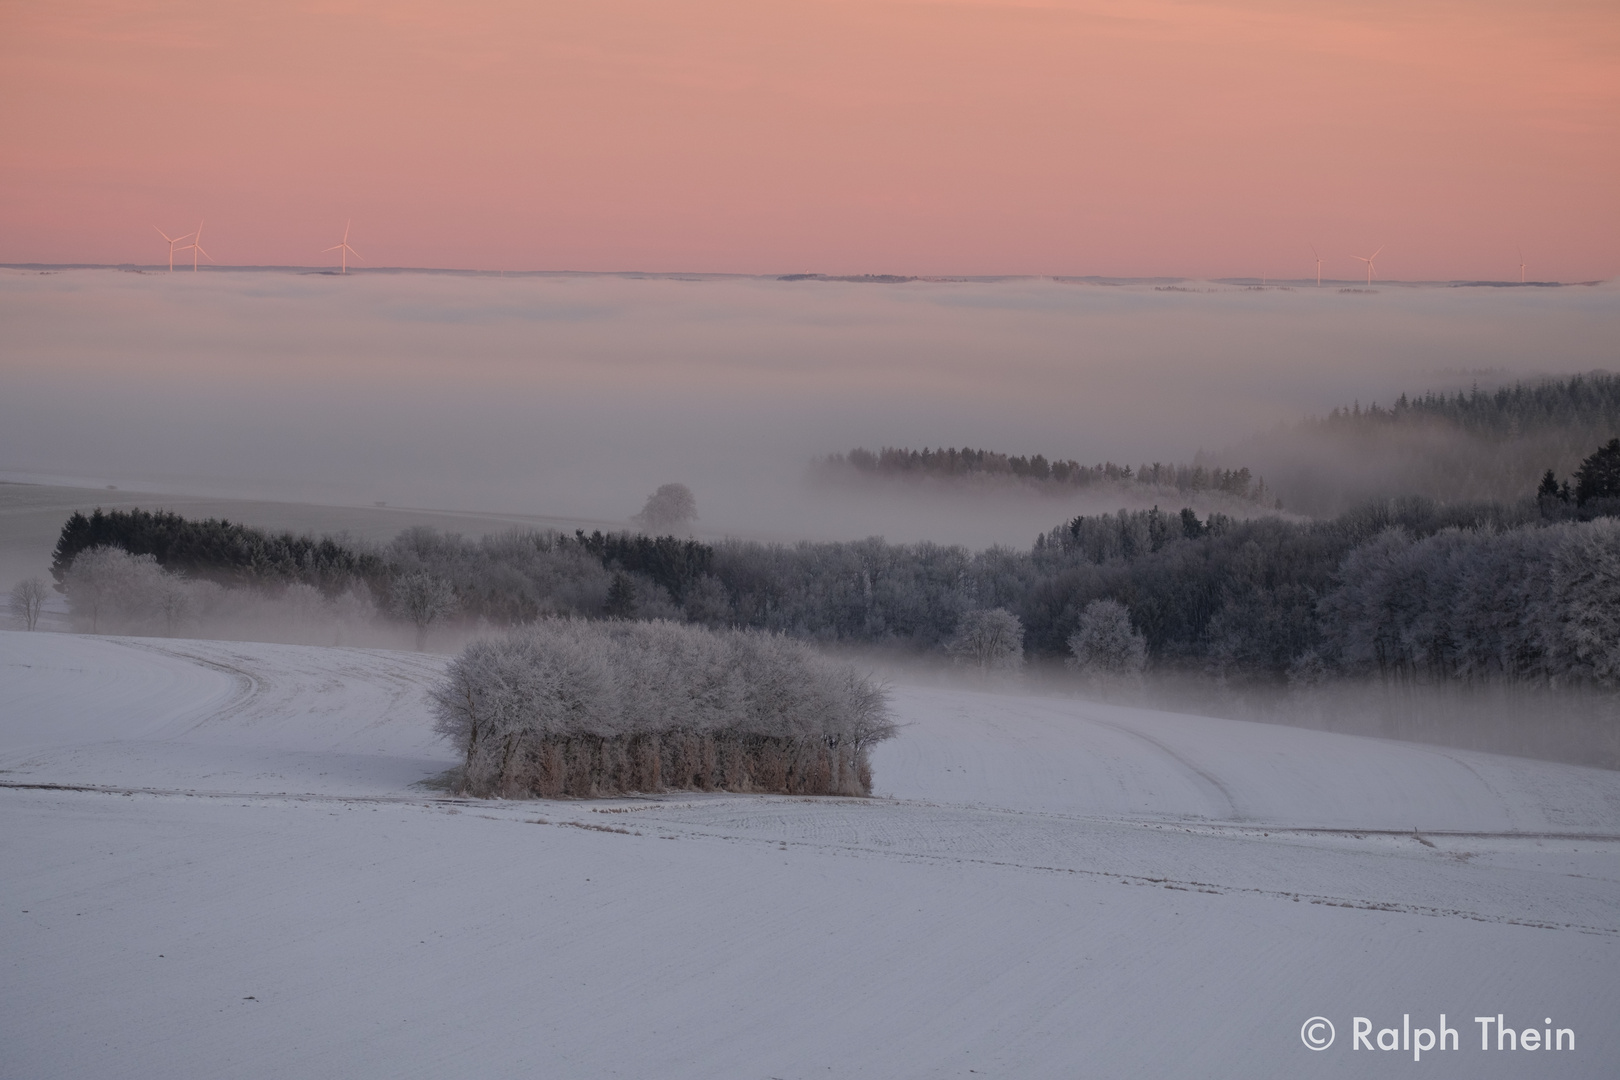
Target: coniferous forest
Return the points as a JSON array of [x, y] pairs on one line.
[[1053, 476], [1487, 444]]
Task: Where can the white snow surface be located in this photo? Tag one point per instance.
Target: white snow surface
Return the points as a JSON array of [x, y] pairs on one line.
[[216, 860]]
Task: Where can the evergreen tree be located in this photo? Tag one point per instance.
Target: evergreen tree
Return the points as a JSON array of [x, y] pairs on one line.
[[621, 600], [1599, 475], [1549, 486]]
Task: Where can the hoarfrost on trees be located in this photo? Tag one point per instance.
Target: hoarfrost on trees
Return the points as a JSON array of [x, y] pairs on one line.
[[424, 600], [568, 707], [27, 601], [989, 639], [1106, 648]]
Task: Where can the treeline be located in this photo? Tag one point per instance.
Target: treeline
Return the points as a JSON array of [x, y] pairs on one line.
[[217, 550], [1524, 605], [1475, 445], [1478, 591], [1583, 407], [510, 577], [1056, 474]]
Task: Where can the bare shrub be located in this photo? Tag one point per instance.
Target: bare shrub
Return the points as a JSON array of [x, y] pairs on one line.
[[591, 708]]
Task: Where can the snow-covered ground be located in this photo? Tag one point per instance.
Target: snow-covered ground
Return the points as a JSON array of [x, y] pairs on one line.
[[215, 860]]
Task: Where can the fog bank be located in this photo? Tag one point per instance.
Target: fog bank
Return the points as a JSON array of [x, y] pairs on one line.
[[576, 395]]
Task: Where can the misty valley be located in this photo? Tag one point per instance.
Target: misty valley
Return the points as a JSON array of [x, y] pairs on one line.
[[1332, 708], [809, 540]]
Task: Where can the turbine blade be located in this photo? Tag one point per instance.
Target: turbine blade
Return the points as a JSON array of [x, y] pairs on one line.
[[1375, 254], [334, 247], [356, 254]]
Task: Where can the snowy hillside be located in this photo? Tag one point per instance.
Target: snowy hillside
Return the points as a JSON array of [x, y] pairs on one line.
[[217, 862]]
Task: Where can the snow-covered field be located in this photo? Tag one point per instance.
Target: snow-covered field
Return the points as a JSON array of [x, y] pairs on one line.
[[215, 861]]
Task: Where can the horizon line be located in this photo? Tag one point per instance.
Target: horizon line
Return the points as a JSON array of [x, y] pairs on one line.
[[878, 278]]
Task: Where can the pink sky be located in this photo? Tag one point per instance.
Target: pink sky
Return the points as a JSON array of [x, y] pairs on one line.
[[1163, 137]]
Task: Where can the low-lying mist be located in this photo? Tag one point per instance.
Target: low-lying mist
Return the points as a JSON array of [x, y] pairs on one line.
[[1573, 724], [576, 396]]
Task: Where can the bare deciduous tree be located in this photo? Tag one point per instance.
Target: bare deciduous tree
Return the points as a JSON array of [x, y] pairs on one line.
[[27, 600], [174, 600], [990, 639]]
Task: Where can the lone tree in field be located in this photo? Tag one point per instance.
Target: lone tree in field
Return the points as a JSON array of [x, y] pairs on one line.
[[1106, 648], [991, 640], [27, 600], [424, 600], [671, 508]]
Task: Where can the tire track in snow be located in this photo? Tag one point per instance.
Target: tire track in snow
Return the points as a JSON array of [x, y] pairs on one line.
[[249, 685], [567, 815], [1236, 813]]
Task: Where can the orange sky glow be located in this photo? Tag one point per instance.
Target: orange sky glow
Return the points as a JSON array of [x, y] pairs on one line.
[[1167, 137]]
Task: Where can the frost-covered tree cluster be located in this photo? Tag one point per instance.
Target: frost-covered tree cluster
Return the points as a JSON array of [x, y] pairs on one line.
[[571, 707], [108, 588], [1538, 605], [111, 591]]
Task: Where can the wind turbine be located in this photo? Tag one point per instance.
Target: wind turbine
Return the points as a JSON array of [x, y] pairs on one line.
[[1318, 266], [173, 240], [1368, 259], [196, 248], [344, 247], [1521, 266]]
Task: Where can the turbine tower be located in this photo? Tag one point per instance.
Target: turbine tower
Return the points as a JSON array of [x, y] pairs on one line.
[[1318, 266], [173, 240], [1521, 266], [1368, 259], [343, 247], [196, 248]]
